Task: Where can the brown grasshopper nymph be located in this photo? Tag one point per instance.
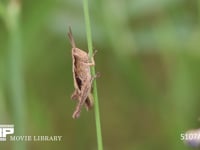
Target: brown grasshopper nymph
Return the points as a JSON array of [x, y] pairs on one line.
[[82, 77]]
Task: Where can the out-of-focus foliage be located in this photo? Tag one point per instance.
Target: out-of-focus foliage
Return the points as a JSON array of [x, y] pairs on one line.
[[148, 57]]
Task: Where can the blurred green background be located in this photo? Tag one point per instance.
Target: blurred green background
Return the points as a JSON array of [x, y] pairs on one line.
[[148, 57]]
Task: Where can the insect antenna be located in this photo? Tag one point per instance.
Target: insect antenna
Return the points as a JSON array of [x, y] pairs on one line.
[[71, 38]]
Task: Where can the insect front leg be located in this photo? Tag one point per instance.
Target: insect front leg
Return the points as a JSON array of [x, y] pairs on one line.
[[92, 63]]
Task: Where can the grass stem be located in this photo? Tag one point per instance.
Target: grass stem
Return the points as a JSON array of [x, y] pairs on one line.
[[15, 72], [96, 101]]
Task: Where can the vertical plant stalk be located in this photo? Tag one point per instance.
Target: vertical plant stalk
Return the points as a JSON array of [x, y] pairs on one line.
[[15, 72], [96, 101]]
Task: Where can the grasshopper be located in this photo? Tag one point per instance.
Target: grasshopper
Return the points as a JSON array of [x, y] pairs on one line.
[[82, 77]]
